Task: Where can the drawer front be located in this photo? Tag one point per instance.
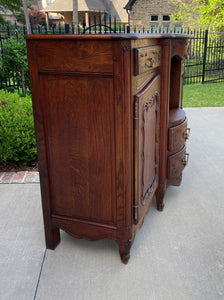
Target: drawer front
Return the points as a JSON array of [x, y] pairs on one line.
[[176, 163], [73, 56], [177, 136], [146, 59]]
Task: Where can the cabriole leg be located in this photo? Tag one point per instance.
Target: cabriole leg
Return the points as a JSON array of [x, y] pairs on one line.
[[124, 250], [160, 193]]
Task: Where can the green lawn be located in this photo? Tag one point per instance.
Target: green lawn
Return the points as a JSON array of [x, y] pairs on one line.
[[199, 95]]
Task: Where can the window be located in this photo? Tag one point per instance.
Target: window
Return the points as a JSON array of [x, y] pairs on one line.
[[154, 18], [166, 18], [177, 29], [166, 29], [154, 29]]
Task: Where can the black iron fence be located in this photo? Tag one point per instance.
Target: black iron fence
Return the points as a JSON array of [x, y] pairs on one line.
[[206, 51], [206, 57]]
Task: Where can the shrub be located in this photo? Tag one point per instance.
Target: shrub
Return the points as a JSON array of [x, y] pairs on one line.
[[36, 16], [17, 136], [14, 63]]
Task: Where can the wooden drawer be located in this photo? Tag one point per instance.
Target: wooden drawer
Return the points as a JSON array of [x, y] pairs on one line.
[[177, 136], [84, 56], [147, 59], [176, 163]]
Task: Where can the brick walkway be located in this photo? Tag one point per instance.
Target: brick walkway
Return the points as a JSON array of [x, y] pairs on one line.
[[19, 177]]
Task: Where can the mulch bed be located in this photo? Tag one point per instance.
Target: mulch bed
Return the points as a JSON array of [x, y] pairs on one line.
[[19, 166]]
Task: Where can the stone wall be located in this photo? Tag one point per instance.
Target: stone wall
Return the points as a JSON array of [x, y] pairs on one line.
[[143, 12]]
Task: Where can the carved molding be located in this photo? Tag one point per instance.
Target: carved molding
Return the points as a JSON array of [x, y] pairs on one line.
[[146, 121], [140, 81], [125, 45], [136, 112], [148, 104], [180, 48]]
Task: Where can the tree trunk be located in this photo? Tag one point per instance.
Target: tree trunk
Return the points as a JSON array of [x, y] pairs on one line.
[[27, 19], [23, 81], [75, 18]]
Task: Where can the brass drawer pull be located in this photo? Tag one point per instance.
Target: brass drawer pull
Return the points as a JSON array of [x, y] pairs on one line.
[[186, 133], [185, 159], [149, 63]]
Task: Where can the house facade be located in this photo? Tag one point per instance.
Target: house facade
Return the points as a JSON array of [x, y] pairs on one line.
[[65, 8], [154, 14], [8, 16]]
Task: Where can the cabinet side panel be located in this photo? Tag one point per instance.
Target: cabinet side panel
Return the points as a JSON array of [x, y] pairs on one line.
[[79, 126]]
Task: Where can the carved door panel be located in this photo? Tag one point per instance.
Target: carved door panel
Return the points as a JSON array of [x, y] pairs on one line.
[[146, 123]]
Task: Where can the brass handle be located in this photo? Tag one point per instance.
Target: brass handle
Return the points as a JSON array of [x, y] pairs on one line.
[[150, 62], [186, 133], [185, 159]]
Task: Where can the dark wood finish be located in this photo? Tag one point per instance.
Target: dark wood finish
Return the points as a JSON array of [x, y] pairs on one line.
[[109, 136]]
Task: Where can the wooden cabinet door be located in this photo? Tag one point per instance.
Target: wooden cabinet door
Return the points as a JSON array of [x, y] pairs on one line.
[[146, 127]]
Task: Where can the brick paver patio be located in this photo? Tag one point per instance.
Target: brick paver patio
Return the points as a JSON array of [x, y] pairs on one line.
[[19, 177]]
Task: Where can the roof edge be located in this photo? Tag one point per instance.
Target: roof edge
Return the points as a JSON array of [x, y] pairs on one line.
[[129, 5]]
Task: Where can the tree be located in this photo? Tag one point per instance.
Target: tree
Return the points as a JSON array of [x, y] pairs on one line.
[[37, 17], [27, 18], [16, 7], [75, 17], [202, 13], [12, 5], [212, 14]]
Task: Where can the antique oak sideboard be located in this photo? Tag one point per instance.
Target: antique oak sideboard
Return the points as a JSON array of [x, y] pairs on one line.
[[110, 130]]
